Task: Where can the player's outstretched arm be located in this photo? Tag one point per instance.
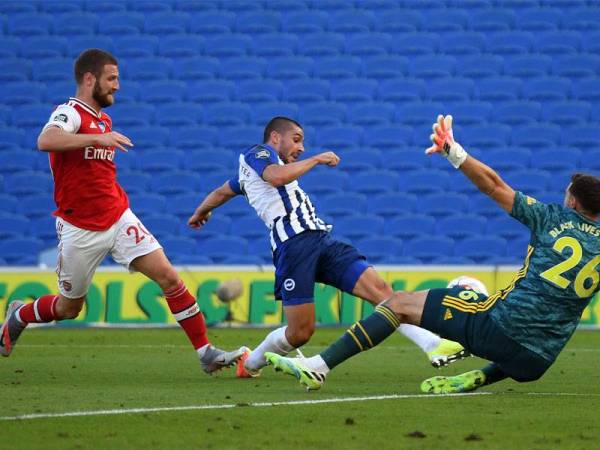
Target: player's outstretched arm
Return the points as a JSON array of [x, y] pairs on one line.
[[53, 139], [484, 177], [216, 198], [278, 175]]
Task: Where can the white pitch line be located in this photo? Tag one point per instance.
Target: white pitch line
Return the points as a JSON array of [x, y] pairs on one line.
[[109, 412]]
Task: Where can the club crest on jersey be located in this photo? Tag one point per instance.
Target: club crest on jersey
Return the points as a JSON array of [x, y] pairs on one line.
[[263, 154], [102, 126]]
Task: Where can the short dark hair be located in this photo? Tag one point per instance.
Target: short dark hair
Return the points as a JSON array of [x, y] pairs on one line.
[[586, 189], [92, 60], [280, 124]]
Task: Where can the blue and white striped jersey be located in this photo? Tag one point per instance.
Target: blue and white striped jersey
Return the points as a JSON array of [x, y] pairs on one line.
[[286, 210]]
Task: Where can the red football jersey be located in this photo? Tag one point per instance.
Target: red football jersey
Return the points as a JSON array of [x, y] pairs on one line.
[[86, 191]]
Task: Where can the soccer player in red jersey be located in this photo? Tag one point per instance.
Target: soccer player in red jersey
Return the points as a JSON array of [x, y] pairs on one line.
[[93, 217]]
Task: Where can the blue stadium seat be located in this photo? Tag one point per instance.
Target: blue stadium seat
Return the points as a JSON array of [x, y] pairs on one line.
[[144, 204], [483, 249], [528, 66], [160, 160], [290, 68], [560, 42], [584, 138], [61, 7], [194, 138], [582, 19], [536, 136], [218, 225], [388, 137], [161, 92], [257, 22], [453, 261], [485, 206], [429, 248], [18, 7], [351, 21], [324, 114], [23, 92], [473, 112], [345, 204], [399, 21], [191, 259], [261, 249], [13, 226], [324, 182], [209, 160], [242, 259], [134, 182], [175, 115], [210, 91], [353, 90], [375, 182], [409, 226], [359, 226], [135, 46], [377, 249], [28, 182], [102, 5], [166, 23], [243, 68], [148, 69], [499, 89], [433, 67], [11, 138], [175, 182], [418, 113], [263, 113], [250, 228], [369, 44], [51, 70], [227, 114], [236, 208], [339, 137], [529, 181], [22, 251], [178, 248], [451, 90], [31, 24], [259, 91], [567, 113], [538, 19], [149, 7], [464, 43], [215, 22], [450, 20], [401, 90], [76, 24], [127, 115], [391, 205], [493, 19], [480, 67], [385, 67], [425, 181], [180, 46], [163, 225], [405, 160], [149, 137], [510, 43], [461, 225], [508, 158], [228, 45], [77, 44], [549, 89], [12, 161], [10, 203], [305, 22], [242, 137], [337, 67], [590, 45], [275, 44], [417, 44], [587, 90], [363, 159], [39, 47], [517, 113], [306, 91], [288, 6], [239, 6], [576, 66], [371, 114], [122, 23], [443, 204], [10, 46], [183, 205], [507, 227]]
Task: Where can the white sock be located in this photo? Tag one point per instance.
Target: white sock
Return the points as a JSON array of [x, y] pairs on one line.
[[317, 363], [275, 342], [425, 339], [202, 350]]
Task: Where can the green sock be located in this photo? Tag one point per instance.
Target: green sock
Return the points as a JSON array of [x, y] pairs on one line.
[[361, 336]]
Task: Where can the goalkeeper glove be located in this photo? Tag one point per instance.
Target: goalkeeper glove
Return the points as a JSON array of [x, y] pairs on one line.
[[444, 143]]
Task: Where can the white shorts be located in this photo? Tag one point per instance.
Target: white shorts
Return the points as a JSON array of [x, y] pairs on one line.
[[80, 251]]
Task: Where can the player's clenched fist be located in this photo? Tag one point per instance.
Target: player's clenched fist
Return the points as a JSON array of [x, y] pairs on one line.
[[329, 158], [444, 143]]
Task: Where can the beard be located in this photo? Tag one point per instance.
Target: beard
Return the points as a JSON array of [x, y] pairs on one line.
[[104, 99]]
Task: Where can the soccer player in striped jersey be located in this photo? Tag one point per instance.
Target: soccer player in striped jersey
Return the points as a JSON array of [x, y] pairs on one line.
[[303, 250], [522, 328], [93, 218]]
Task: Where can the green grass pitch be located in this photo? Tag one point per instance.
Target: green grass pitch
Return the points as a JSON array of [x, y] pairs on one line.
[[156, 374]]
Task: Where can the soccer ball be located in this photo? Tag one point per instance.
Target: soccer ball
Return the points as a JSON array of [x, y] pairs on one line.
[[469, 283], [229, 290]]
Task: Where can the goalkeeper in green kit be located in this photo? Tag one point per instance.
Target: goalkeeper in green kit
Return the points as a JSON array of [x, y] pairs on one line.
[[522, 328]]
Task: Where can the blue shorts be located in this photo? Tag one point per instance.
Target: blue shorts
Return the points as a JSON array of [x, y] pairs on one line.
[[462, 315], [314, 256]]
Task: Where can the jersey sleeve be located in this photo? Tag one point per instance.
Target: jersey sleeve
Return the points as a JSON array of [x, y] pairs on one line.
[[259, 158], [529, 211], [66, 118], [234, 184]]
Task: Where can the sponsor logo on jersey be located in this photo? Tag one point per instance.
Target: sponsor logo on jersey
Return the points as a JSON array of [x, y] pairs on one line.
[[289, 284], [60, 118], [263, 154], [98, 153]]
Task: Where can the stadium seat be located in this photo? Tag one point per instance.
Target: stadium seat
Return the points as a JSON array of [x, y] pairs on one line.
[[212, 22], [484, 206], [507, 227], [391, 205], [290, 68], [431, 67], [228, 45], [148, 69], [149, 7], [481, 67], [518, 113], [584, 138], [304, 22], [17, 8], [10, 203], [129, 92], [76, 24], [30, 116], [536, 136], [388, 137], [336, 67], [425, 181], [271, 45], [591, 45], [257, 22], [250, 228], [377, 249], [236, 208], [149, 137], [175, 115], [132, 114], [404, 160], [401, 90], [183, 205], [483, 249], [399, 21], [28, 182], [162, 226], [320, 45], [31, 24], [23, 93], [490, 20], [162, 92], [576, 67], [122, 23], [450, 20], [178, 248], [146, 203], [10, 46], [409, 226], [582, 19], [263, 113], [209, 160], [345, 204], [259, 91], [429, 248], [510, 43], [227, 114], [371, 114], [134, 182], [539, 19], [548, 89], [385, 67], [306, 91], [175, 182], [288, 6], [243, 137], [243, 68], [368, 44], [167, 23], [529, 181], [196, 68], [443, 204], [568, 113], [194, 138], [219, 225], [51, 70], [359, 226], [587, 90], [504, 159], [186, 259], [324, 114], [160, 160], [418, 113], [528, 66], [375, 182], [77, 44], [261, 248], [353, 90], [461, 225], [417, 45], [556, 43], [499, 89], [41, 47], [37, 205], [471, 113], [210, 91], [464, 43], [323, 182], [451, 90], [11, 138], [14, 226], [351, 21], [180, 46]]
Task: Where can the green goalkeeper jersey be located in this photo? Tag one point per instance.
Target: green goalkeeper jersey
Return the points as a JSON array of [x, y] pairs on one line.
[[542, 306]]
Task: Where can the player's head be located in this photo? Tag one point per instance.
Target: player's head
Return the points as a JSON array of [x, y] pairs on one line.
[[286, 136], [583, 194], [469, 283], [96, 71]]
